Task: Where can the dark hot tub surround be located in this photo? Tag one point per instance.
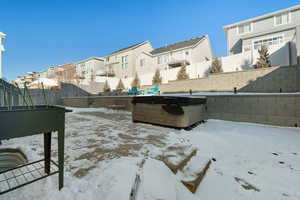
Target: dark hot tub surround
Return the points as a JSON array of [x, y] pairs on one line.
[[173, 111]]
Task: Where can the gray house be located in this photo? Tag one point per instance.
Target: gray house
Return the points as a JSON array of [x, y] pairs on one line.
[[279, 30]]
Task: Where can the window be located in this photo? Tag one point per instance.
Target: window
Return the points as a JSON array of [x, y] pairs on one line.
[[166, 58], [187, 53], [283, 18], [142, 62], [245, 28], [276, 40], [159, 60], [163, 59], [107, 59], [124, 62]]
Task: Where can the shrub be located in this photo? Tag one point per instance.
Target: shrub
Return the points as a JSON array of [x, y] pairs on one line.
[[216, 66], [156, 78], [182, 74], [136, 81], [106, 87], [120, 85], [263, 60]]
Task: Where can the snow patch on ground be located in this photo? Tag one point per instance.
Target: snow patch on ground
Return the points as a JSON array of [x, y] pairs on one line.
[[104, 149]]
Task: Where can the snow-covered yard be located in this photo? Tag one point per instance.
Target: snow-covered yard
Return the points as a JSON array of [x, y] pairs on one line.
[[105, 151]]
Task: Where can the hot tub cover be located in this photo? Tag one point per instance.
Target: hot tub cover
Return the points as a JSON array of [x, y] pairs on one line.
[[181, 101]]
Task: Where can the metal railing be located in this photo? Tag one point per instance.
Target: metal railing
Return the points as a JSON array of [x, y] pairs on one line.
[[9, 94]]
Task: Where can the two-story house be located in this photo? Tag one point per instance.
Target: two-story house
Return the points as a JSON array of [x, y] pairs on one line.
[[187, 52], [2, 37], [122, 63], [279, 31], [88, 69]]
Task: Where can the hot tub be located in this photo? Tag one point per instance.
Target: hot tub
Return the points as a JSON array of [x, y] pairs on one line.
[[172, 111]]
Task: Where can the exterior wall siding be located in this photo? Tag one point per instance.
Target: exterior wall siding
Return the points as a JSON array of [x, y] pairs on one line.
[[261, 27], [201, 52], [132, 55]]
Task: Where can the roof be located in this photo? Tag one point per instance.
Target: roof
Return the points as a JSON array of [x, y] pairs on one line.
[[129, 47], [262, 16], [91, 58], [178, 45]]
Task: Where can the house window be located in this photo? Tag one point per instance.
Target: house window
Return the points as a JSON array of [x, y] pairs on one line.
[[166, 58], [245, 28], [107, 59], [277, 40], [281, 19], [142, 62], [159, 60], [187, 53], [124, 62]]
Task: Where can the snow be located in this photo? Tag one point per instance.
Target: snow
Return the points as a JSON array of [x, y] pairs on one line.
[[45, 81], [158, 182], [104, 151]]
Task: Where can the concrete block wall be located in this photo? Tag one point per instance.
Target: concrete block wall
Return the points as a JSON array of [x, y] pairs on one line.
[[281, 109], [118, 102], [273, 79], [273, 109], [92, 87]]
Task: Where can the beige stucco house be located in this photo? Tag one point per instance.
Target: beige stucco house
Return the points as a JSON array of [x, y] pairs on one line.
[[187, 52], [168, 59], [279, 30], [2, 37], [123, 62], [88, 69]]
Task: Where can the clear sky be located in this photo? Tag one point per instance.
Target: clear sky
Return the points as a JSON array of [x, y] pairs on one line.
[[41, 33]]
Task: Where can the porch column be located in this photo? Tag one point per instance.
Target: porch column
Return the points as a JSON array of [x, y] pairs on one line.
[[2, 36]]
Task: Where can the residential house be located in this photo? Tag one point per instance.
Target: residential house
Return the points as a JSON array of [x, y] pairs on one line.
[[19, 81], [190, 51], [122, 63], [88, 69], [29, 78], [168, 59], [65, 73], [2, 37], [48, 73], [279, 30]]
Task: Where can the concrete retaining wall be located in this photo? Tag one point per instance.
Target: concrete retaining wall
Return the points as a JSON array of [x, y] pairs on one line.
[[279, 109], [115, 102], [282, 109], [271, 79]]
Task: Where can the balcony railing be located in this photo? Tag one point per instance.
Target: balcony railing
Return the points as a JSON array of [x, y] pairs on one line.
[[108, 73], [178, 63]]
